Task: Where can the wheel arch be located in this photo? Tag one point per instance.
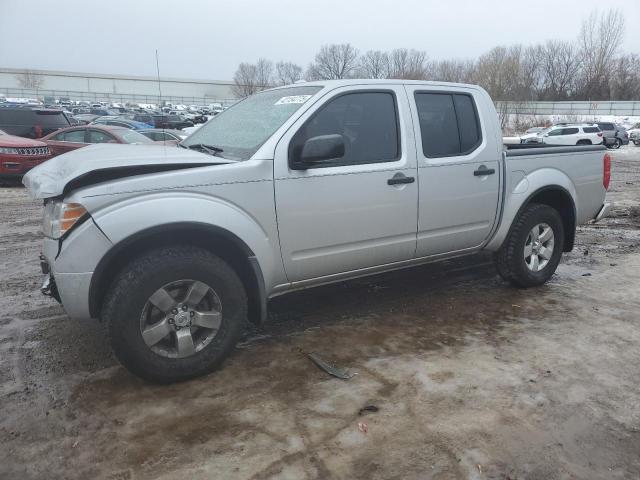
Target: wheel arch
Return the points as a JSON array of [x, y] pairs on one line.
[[217, 240], [558, 198]]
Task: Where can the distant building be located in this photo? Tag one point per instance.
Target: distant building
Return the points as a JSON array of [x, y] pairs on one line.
[[113, 88]]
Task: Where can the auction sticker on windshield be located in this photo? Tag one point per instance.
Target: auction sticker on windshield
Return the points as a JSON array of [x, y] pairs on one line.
[[293, 99]]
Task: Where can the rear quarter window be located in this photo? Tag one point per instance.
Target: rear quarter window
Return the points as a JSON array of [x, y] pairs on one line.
[[51, 119]]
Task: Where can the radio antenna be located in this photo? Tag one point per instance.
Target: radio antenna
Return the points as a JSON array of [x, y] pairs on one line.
[[158, 72], [159, 88]]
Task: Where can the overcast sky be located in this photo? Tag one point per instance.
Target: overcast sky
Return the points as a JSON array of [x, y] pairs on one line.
[[207, 39]]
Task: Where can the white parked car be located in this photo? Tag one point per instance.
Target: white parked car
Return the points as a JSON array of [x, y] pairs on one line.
[[634, 134], [533, 135], [573, 135]]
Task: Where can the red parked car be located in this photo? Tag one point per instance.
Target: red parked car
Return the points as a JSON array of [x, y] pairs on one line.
[[18, 155], [67, 139]]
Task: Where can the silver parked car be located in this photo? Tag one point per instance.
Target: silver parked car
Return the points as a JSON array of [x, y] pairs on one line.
[[177, 248]]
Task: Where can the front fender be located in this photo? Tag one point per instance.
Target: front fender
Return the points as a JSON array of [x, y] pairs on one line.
[[521, 189], [126, 218]]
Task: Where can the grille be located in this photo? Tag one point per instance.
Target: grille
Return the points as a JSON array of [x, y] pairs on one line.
[[33, 151]]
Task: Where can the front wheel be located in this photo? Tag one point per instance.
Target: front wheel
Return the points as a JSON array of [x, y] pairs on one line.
[[175, 313], [531, 253]]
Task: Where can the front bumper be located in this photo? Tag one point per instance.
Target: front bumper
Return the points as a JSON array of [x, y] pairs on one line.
[[69, 266], [602, 212]]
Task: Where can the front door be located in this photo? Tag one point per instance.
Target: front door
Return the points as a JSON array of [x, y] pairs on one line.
[[458, 169], [358, 210]]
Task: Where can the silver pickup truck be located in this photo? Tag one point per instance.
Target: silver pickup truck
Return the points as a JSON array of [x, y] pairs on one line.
[[178, 247]]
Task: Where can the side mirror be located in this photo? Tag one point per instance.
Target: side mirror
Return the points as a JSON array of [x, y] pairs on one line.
[[319, 149]]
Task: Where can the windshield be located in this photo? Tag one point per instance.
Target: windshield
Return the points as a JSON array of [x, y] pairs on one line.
[[240, 130], [131, 136]]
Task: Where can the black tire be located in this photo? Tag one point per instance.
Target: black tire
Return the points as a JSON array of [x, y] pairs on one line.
[[137, 282], [584, 142], [510, 260], [617, 144]]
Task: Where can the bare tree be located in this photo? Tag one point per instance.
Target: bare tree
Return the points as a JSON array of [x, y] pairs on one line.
[[408, 64], [334, 62], [245, 80], [30, 79], [560, 67], [590, 68], [600, 39], [499, 72], [460, 71], [288, 73], [251, 78], [264, 73], [625, 84], [374, 64]]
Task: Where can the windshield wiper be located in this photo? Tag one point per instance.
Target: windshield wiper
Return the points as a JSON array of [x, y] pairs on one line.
[[210, 149]]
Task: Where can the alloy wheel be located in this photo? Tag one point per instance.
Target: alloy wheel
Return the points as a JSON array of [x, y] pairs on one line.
[[181, 318], [538, 248]]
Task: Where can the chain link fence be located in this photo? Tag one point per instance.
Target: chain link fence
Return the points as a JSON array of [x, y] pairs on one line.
[[122, 98]]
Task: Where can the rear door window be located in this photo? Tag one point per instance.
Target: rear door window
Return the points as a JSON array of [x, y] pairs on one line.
[[591, 129], [449, 124], [96, 136], [51, 119]]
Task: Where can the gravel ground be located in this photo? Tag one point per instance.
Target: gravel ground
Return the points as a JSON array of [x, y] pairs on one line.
[[472, 378]]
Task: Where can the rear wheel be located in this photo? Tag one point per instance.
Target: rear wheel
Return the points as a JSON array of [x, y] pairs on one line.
[[175, 313], [531, 253], [617, 144]]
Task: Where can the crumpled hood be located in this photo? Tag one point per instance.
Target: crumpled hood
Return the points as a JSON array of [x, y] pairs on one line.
[[50, 178]]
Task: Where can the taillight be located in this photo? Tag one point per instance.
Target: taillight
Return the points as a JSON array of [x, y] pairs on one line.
[[599, 134], [606, 171]]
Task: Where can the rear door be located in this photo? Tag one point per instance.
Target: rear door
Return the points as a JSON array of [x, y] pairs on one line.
[[358, 210], [67, 141], [99, 136], [458, 169]]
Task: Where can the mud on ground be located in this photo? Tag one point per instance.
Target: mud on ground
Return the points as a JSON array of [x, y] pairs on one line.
[[472, 378]]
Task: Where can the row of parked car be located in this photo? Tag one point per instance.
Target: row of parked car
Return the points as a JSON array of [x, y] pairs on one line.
[[607, 133], [29, 136]]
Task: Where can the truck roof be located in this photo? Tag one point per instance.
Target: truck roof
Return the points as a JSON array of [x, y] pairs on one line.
[[369, 81]]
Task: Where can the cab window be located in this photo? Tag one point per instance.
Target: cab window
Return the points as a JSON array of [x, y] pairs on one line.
[[367, 123]]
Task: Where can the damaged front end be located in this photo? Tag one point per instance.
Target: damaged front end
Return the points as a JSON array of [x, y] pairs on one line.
[[49, 287]]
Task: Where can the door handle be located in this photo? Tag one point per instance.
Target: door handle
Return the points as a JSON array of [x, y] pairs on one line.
[[400, 178], [483, 171]]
